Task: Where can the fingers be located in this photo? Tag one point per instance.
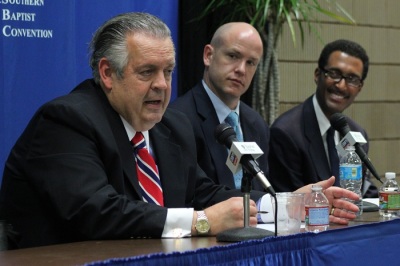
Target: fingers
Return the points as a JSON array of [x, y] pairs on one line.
[[344, 193], [340, 216], [253, 221], [344, 205], [230, 214], [338, 194], [325, 184], [342, 211]]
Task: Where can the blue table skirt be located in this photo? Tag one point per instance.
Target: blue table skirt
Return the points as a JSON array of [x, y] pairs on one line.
[[368, 244]]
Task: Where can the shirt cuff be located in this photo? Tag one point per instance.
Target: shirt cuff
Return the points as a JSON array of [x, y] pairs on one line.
[[264, 204], [178, 223]]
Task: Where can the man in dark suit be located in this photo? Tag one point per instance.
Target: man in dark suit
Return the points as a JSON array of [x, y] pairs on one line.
[[298, 154], [72, 175], [230, 62]]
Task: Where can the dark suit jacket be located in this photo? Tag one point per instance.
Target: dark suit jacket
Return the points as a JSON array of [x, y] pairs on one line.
[[71, 175], [297, 156], [211, 155]]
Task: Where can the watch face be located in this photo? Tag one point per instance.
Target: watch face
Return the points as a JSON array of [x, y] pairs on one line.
[[202, 226]]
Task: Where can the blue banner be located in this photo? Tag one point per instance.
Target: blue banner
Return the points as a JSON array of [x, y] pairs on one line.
[[44, 52]]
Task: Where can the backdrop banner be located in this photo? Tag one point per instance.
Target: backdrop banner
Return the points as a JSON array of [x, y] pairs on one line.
[[44, 52]]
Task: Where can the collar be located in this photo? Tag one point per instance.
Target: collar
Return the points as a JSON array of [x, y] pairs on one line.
[[323, 121], [220, 107], [131, 132]]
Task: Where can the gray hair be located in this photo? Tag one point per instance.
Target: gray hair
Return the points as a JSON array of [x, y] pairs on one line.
[[109, 40]]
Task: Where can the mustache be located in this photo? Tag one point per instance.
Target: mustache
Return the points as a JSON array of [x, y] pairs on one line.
[[336, 91]]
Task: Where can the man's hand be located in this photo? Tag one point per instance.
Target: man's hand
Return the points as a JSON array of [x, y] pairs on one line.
[[343, 210], [226, 215]]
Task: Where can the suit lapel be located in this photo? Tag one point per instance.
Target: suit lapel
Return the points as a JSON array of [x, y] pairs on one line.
[[127, 159], [316, 146], [251, 133], [172, 178], [124, 147], [248, 125], [218, 152]]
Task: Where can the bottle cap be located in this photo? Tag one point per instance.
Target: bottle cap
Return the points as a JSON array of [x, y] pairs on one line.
[[390, 175], [316, 188], [350, 148]]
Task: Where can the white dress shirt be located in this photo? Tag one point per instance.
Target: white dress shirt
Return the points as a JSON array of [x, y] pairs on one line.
[[179, 220], [324, 125]]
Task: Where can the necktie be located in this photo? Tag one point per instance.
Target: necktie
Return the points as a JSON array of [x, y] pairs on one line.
[[333, 155], [233, 120], [147, 172]]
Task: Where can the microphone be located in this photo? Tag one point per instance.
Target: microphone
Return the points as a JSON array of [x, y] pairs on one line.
[[350, 139], [226, 135], [339, 123]]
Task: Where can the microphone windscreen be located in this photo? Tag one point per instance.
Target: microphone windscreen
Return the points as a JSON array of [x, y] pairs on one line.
[[339, 123], [225, 134]]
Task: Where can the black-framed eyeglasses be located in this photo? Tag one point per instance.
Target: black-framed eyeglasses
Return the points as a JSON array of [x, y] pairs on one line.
[[336, 76]]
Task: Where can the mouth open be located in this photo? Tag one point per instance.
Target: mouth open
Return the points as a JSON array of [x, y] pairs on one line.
[[336, 95], [153, 102]]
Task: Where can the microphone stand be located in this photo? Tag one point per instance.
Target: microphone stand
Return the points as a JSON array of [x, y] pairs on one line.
[[247, 232]]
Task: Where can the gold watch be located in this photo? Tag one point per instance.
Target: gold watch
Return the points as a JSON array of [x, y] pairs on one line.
[[202, 225]]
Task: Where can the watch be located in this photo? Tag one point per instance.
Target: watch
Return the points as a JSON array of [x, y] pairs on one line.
[[202, 225]]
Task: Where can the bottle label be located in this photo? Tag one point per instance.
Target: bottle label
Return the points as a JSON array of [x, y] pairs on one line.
[[350, 172], [389, 201], [317, 215]]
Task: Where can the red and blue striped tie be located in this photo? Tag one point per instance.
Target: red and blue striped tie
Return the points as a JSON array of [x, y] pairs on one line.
[[147, 172]]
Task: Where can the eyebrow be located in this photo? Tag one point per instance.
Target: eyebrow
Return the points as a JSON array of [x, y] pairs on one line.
[[346, 74], [236, 51]]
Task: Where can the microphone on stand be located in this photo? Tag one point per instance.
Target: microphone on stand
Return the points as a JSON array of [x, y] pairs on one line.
[[339, 123], [242, 154]]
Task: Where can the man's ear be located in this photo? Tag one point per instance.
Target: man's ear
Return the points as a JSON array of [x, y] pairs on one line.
[[105, 72], [207, 54], [317, 72]]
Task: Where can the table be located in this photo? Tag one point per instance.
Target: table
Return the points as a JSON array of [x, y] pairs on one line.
[[91, 251]]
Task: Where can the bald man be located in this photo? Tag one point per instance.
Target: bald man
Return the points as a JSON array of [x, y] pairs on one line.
[[230, 62]]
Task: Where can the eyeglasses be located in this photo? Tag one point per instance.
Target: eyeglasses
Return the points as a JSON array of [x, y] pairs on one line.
[[336, 76]]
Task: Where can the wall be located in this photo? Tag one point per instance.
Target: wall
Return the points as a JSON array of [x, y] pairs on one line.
[[37, 69], [377, 106]]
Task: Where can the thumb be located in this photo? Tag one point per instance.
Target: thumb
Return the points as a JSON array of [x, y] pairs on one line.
[[327, 183]]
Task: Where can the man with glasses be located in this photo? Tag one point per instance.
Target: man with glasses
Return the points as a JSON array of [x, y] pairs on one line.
[[298, 145]]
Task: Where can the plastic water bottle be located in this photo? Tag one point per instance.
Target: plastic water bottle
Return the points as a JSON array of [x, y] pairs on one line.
[[389, 197], [317, 211], [350, 173]]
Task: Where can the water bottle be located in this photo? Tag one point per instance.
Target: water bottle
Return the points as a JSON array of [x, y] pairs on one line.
[[317, 211], [389, 197], [350, 173]]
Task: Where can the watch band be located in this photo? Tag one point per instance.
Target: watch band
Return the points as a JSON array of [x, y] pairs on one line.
[[202, 225], [201, 215]]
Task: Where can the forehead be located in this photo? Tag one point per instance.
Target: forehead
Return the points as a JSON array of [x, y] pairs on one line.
[[345, 62], [244, 42], [144, 47]]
